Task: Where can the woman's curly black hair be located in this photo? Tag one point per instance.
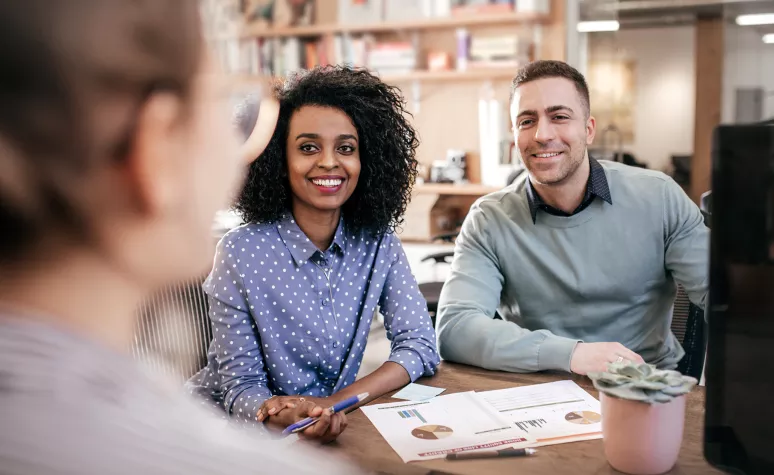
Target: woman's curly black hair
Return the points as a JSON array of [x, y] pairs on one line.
[[387, 141]]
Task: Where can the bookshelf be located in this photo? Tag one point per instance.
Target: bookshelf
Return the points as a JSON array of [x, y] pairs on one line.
[[470, 189], [424, 24], [503, 74], [444, 103], [447, 76]]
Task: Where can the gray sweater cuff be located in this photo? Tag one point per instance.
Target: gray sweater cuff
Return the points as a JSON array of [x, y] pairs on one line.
[[555, 353]]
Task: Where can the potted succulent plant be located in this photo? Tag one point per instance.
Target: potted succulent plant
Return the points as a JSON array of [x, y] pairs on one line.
[[643, 413]]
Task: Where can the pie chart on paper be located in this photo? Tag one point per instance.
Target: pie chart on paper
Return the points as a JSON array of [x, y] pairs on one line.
[[432, 432], [583, 417]]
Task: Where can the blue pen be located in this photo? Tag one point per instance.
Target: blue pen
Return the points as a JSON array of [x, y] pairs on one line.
[[345, 404]]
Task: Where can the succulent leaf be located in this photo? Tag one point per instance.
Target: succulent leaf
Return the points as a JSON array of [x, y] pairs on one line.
[[642, 382], [661, 397], [630, 371], [652, 385], [645, 369]]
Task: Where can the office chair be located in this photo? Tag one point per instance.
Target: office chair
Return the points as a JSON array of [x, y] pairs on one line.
[[173, 331], [689, 326], [431, 291]]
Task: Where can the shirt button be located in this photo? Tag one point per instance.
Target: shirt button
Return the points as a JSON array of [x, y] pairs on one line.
[[326, 302], [335, 344]]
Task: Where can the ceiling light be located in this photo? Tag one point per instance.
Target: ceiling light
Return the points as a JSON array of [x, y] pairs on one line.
[[590, 26], [768, 38], [756, 19]]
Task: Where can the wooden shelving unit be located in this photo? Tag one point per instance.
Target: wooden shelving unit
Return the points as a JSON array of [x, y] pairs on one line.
[[424, 24], [436, 206], [442, 76], [447, 98], [471, 189], [428, 76]]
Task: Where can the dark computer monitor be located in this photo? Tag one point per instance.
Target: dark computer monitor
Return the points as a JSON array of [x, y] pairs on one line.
[[739, 431]]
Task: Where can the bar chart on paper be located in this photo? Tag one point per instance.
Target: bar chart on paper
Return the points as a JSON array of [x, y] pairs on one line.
[[412, 413], [552, 413], [534, 424]]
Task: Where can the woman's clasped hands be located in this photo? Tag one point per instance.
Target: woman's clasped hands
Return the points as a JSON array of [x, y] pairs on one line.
[[278, 412]]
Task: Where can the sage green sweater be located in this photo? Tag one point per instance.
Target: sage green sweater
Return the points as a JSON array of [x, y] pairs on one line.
[[607, 273]]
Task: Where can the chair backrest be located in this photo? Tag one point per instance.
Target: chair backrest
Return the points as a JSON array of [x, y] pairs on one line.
[[689, 327], [173, 330]]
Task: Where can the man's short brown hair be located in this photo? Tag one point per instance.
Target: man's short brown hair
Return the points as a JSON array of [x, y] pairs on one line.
[[553, 69]]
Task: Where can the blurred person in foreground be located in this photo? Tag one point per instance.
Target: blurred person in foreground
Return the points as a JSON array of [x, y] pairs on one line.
[[580, 256], [293, 291], [115, 153]]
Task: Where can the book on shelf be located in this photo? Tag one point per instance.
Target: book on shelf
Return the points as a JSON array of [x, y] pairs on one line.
[[221, 18], [497, 52], [395, 58]]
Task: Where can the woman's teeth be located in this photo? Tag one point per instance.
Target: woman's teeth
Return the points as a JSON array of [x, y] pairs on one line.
[[328, 183]]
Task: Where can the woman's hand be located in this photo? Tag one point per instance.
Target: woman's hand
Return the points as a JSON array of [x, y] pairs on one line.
[[282, 411], [276, 404]]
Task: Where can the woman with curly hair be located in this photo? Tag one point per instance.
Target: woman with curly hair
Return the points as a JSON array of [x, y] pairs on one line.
[[294, 290]]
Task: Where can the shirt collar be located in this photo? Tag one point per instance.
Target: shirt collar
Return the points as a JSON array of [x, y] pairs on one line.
[[299, 246], [596, 186]]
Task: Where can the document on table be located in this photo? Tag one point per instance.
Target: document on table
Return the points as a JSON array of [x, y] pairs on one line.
[[551, 413], [452, 423]]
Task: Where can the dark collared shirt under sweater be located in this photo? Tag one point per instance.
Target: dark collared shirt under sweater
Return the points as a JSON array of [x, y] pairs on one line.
[[596, 186]]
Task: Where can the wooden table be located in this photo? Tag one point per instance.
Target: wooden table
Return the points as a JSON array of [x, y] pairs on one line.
[[362, 443]]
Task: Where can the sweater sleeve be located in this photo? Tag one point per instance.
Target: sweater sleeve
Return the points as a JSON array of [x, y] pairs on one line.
[[686, 243], [467, 330]]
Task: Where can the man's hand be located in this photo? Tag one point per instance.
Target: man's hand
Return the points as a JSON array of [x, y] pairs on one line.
[[590, 357], [280, 412]]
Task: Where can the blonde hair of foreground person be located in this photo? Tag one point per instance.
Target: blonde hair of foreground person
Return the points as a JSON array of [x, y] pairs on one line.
[[115, 153]]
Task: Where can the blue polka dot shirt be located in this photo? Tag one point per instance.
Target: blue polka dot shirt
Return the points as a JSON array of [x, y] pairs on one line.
[[288, 319]]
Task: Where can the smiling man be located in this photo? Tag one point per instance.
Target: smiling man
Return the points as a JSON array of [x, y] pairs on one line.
[[579, 256]]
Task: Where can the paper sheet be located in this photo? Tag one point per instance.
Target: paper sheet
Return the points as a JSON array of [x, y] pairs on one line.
[[551, 413], [446, 424], [418, 392]]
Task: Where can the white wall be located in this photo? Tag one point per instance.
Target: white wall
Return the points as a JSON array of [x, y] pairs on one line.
[[665, 89], [749, 62]]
